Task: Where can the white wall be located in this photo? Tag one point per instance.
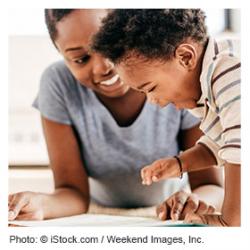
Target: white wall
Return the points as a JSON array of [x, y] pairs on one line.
[[29, 55], [27, 21]]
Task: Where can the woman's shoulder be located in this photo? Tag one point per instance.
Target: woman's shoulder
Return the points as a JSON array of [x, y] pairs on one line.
[[57, 71], [60, 93], [58, 77]]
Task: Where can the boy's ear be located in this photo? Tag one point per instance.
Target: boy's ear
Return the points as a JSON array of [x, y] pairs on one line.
[[187, 55]]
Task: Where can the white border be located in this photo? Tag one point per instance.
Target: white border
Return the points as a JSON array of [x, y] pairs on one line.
[[215, 238]]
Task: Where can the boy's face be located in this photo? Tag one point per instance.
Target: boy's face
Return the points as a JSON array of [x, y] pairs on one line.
[[163, 82]]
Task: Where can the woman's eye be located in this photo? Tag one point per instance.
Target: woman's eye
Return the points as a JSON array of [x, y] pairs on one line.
[[82, 60]]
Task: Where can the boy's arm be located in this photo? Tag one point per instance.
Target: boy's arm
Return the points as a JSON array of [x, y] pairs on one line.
[[207, 184], [197, 158], [232, 203], [193, 159]]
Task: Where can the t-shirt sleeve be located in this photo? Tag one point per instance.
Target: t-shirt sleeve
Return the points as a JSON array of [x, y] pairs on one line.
[[227, 97], [188, 120], [212, 149], [51, 99]]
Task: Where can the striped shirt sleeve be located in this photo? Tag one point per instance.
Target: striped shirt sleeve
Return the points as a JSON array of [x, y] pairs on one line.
[[226, 93], [212, 149]]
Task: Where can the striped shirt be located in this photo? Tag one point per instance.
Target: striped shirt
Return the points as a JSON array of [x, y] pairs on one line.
[[219, 105]]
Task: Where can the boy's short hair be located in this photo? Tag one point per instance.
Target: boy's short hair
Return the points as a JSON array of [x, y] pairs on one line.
[[151, 33]]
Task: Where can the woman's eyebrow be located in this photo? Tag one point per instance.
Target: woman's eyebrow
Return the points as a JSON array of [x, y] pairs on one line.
[[73, 49]]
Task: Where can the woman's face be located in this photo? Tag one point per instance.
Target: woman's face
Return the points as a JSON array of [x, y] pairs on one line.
[[74, 34]]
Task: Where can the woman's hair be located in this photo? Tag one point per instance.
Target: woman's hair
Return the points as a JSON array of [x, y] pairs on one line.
[[151, 33], [52, 17]]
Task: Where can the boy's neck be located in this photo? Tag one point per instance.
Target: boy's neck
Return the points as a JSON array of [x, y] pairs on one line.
[[201, 49]]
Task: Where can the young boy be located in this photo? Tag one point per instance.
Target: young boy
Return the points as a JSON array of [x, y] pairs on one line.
[[168, 55]]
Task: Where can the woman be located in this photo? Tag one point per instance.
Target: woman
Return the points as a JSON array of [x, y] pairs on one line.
[[96, 126]]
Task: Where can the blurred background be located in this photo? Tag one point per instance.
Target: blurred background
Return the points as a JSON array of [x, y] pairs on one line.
[[30, 52]]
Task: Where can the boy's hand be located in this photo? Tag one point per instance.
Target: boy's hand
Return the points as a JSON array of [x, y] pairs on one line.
[[180, 204], [207, 219], [159, 170], [25, 206]]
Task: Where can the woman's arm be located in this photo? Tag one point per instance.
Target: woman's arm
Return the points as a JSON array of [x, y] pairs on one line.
[[71, 180], [71, 195]]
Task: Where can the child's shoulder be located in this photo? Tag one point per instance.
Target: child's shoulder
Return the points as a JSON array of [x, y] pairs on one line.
[[221, 66], [228, 47], [226, 59], [221, 49], [220, 55]]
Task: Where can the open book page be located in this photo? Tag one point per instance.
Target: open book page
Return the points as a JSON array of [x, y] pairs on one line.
[[98, 220]]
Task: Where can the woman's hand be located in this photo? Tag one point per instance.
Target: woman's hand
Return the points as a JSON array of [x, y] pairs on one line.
[[181, 204], [25, 206]]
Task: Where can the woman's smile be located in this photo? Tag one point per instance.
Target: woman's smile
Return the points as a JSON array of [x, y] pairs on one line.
[[112, 84]]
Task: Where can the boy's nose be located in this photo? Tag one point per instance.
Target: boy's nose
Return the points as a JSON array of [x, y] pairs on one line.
[[151, 99]]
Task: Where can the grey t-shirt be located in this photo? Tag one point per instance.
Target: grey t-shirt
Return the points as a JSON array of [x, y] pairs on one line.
[[113, 156]]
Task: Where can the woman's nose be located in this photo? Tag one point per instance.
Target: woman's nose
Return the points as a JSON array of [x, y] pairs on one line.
[[102, 66]]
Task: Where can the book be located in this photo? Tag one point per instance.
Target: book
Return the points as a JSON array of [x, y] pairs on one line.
[[99, 220]]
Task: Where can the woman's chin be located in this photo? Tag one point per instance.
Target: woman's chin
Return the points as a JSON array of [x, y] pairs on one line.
[[116, 93]]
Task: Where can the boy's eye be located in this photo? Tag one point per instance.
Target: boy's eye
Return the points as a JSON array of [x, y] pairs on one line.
[[152, 89], [82, 60]]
